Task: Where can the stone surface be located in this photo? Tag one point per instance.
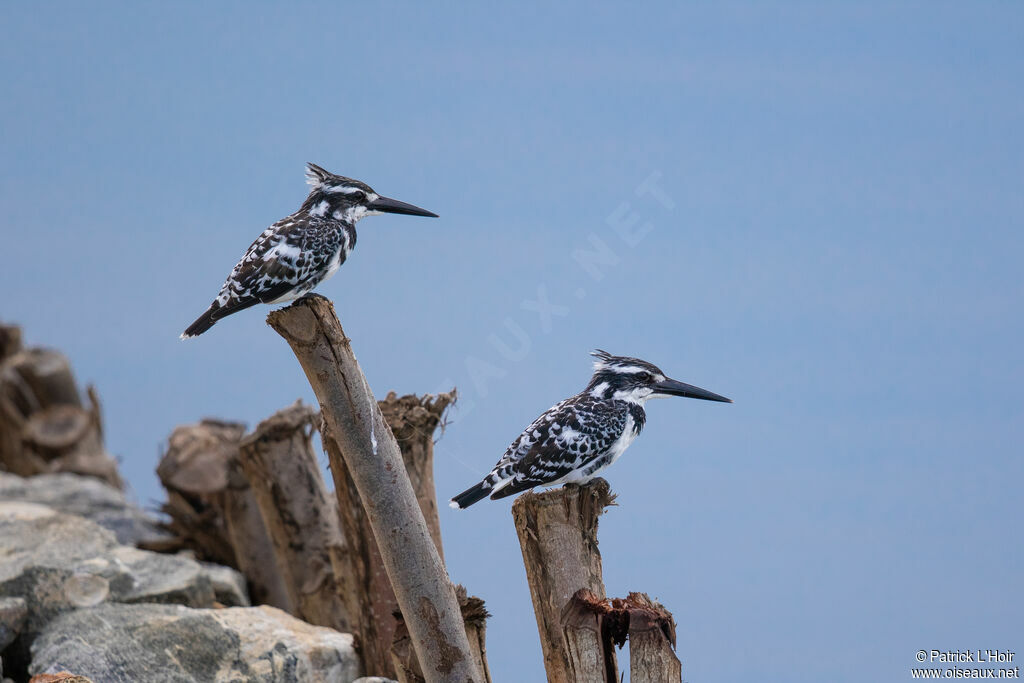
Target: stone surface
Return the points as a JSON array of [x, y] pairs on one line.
[[13, 612], [116, 642], [228, 585], [86, 497], [58, 562]]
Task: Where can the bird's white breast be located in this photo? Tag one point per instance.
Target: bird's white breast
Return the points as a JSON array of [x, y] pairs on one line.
[[622, 443], [618, 447], [333, 264]]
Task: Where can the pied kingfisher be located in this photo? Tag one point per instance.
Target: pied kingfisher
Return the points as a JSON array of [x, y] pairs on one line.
[[581, 436], [298, 252]]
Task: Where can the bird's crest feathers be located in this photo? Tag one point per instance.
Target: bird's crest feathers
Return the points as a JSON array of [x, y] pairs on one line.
[[603, 358], [621, 365], [315, 176]]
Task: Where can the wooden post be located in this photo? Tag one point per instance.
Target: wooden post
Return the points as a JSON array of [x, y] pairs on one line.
[[412, 420], [212, 510], [474, 614], [371, 599], [281, 467], [10, 340], [586, 631], [593, 627], [374, 462], [652, 641], [558, 535]]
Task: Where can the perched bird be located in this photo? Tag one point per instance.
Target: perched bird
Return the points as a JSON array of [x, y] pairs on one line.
[[298, 252], [581, 436]]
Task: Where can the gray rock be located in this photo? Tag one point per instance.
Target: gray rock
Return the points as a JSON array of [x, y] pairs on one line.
[[228, 585], [12, 618], [58, 562], [86, 497], [180, 645]]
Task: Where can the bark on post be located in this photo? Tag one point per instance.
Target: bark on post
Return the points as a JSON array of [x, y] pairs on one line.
[[374, 462], [281, 467], [585, 628], [558, 535], [10, 340], [474, 614], [370, 597], [412, 420], [594, 627], [212, 509], [652, 641]]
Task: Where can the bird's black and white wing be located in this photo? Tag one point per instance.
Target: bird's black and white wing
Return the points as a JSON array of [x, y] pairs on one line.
[[568, 443], [275, 264], [565, 444], [286, 261]]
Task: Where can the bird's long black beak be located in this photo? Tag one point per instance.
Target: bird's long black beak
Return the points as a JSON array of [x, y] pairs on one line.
[[388, 205], [674, 388]]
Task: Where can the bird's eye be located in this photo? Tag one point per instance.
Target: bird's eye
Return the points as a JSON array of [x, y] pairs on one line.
[[645, 376], [358, 195]]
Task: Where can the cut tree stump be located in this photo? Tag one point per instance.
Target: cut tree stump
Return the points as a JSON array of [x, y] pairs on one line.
[[212, 510], [593, 628], [586, 631], [652, 641], [10, 341], [558, 536], [299, 513]]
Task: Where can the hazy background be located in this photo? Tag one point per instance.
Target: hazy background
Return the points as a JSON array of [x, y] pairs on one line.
[[838, 248]]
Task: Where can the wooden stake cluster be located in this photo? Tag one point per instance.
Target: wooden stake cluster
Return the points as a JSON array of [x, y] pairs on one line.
[[44, 424], [365, 446], [222, 487], [579, 627]]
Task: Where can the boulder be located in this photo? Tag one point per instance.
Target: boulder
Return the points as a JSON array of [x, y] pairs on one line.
[[13, 612], [116, 642], [57, 562], [86, 497]]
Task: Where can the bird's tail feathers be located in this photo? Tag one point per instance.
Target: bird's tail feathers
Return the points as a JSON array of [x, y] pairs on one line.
[[510, 488], [471, 495], [202, 323]]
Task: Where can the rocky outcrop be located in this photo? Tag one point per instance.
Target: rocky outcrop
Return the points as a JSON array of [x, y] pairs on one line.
[[74, 599], [86, 497], [177, 644], [57, 563]]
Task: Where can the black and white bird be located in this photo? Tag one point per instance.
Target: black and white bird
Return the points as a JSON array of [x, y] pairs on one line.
[[578, 438], [298, 252]]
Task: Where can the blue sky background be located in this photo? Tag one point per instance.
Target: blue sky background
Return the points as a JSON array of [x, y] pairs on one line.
[[838, 248]]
